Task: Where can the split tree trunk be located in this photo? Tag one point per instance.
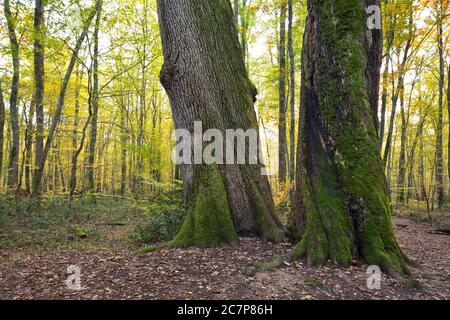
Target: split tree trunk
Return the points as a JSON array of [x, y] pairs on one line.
[[343, 209], [206, 80]]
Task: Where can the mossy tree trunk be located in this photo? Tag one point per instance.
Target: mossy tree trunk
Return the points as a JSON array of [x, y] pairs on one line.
[[206, 80], [342, 207]]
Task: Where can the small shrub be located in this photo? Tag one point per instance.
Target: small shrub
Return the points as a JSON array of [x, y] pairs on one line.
[[163, 224]]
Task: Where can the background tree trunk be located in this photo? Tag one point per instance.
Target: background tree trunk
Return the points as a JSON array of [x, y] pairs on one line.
[[282, 140], [342, 195], [2, 131], [13, 166], [39, 174], [440, 119], [39, 82], [291, 91], [206, 80], [95, 101], [448, 108]]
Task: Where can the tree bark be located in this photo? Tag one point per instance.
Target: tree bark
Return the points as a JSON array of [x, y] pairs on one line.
[[448, 108], [2, 131], [206, 80], [37, 179], [440, 119], [39, 82], [384, 94], [342, 194], [95, 101], [402, 158], [13, 166], [291, 91], [282, 140]]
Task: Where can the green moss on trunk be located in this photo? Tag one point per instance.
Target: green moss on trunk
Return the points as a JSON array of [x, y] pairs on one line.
[[208, 221], [344, 189]]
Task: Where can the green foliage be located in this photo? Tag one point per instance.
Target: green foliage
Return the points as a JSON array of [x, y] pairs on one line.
[[55, 222], [162, 223], [162, 218]]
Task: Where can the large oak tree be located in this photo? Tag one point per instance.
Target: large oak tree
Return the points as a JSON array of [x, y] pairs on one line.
[[342, 206], [206, 80]]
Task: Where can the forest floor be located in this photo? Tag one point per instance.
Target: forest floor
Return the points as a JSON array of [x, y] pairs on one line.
[[113, 271]]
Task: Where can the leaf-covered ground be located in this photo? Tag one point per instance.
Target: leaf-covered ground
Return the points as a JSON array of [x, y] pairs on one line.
[[217, 273]]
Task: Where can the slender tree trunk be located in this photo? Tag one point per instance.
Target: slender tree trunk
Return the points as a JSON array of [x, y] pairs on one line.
[[123, 146], [2, 131], [244, 29], [13, 166], [206, 80], [75, 150], [384, 94], [440, 120], [95, 102], [37, 179], [448, 108], [29, 146], [400, 85], [236, 12], [292, 91], [402, 159], [282, 140], [343, 192], [39, 82]]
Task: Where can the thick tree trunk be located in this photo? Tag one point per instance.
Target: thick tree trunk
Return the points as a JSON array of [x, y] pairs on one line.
[[39, 82], [291, 91], [13, 166], [95, 101], [206, 80], [342, 204], [39, 174], [282, 140]]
